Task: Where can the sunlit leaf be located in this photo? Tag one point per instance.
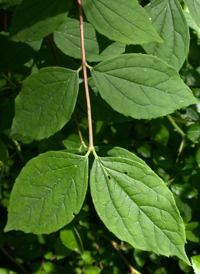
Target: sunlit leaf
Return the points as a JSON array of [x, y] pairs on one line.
[[141, 86], [48, 192], [136, 205], [45, 103], [125, 22]]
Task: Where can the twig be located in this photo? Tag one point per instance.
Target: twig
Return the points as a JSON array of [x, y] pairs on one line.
[[181, 147], [115, 245], [79, 130], [13, 260], [91, 145], [132, 269], [53, 50], [175, 125]]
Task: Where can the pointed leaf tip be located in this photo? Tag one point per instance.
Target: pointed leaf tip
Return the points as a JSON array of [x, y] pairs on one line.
[[122, 21]]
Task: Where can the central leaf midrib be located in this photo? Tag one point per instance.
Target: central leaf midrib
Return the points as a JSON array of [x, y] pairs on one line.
[[39, 199], [45, 102], [134, 26], [160, 230]]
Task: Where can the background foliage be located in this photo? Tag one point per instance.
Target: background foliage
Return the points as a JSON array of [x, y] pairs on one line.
[[173, 152]]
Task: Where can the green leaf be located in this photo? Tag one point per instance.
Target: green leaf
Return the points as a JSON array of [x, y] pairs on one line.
[[45, 103], [50, 189], [91, 270], [100, 109], [141, 86], [193, 232], [196, 263], [135, 204], [184, 190], [170, 23], [71, 238], [61, 250], [193, 77], [36, 19], [193, 132], [194, 8], [97, 47], [159, 132], [15, 55], [125, 22], [118, 152], [143, 149], [191, 23]]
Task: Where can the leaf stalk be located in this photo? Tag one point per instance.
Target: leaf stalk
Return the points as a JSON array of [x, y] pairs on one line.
[[91, 144], [176, 126]]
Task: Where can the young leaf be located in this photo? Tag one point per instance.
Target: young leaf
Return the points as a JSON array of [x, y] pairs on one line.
[[45, 103], [71, 238], [125, 22], [50, 189], [194, 8], [170, 23], [36, 19], [141, 86], [135, 204], [97, 47]]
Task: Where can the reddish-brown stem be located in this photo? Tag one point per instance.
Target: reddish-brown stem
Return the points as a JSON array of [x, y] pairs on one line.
[[91, 145], [53, 50]]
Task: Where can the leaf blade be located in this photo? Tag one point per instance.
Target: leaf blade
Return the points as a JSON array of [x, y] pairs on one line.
[[134, 204], [194, 8], [38, 203], [119, 21], [141, 86], [33, 20], [97, 47], [71, 239], [170, 23], [45, 103]]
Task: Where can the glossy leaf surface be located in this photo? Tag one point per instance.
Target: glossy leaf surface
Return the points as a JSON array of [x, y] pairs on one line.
[[170, 23], [135, 204], [125, 22], [50, 189], [141, 86], [45, 103], [36, 19]]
